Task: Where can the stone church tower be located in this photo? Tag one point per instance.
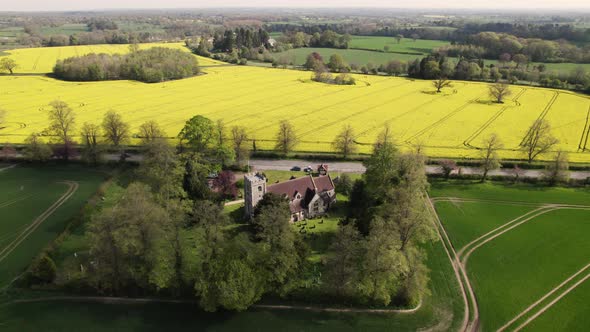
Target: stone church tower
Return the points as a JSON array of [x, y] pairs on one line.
[[254, 190]]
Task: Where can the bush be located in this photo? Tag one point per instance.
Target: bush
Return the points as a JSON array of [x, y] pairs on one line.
[[154, 65], [43, 270]]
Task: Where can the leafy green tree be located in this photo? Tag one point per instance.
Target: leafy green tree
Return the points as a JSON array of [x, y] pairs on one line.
[[337, 63], [285, 254], [344, 184], [286, 137], [557, 169], [223, 150], [8, 64], [198, 133], [196, 171], [162, 170], [381, 174], [383, 266], [44, 269], [344, 262]]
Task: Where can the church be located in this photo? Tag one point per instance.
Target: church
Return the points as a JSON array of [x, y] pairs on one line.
[[308, 196]]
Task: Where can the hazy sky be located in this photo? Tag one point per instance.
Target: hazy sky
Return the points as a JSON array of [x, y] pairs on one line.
[[61, 5]]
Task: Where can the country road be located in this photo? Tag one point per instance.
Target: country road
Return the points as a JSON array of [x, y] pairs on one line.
[[357, 167]]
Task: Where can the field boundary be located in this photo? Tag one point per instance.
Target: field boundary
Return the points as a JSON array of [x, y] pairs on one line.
[[72, 188], [585, 132]]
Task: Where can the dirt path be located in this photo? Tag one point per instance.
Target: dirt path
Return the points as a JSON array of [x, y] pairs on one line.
[[72, 187], [239, 201], [126, 300], [458, 269]]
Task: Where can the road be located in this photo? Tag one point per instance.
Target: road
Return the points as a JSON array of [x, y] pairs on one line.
[[357, 167]]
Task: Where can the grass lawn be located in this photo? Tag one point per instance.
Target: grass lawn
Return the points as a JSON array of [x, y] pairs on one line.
[[569, 314], [504, 191], [37, 188], [406, 45], [467, 221], [66, 29], [519, 267]]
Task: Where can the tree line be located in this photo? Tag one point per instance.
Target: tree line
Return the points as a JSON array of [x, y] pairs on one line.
[[153, 65]]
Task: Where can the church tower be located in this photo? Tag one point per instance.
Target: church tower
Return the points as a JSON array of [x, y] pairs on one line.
[[254, 190]]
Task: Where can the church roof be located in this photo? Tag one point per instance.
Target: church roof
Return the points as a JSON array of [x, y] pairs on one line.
[[306, 186]]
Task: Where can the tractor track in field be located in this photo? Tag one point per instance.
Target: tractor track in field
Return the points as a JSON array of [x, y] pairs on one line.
[[543, 208], [541, 116], [72, 188], [585, 133], [442, 120], [545, 297], [491, 120], [13, 201]]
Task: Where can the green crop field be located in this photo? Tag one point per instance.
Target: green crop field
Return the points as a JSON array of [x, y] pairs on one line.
[[26, 193], [513, 270], [406, 45]]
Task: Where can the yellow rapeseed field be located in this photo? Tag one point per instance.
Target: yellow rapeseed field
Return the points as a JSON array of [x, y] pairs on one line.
[[450, 124]]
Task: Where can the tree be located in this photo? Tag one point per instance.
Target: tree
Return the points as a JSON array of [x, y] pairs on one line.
[[44, 269], [35, 149], [314, 61], [520, 60], [198, 132], [286, 137], [557, 169], [344, 184], [441, 83], [225, 182], [344, 261], [116, 130], [239, 138], [90, 135], [162, 171], [447, 166], [381, 174], [499, 91], [337, 63], [285, 254], [489, 155], [8, 64], [125, 241], [344, 141], [62, 124], [399, 38], [223, 151], [538, 139], [150, 131]]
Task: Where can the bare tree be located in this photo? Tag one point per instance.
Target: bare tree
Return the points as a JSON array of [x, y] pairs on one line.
[[557, 170], [62, 124], [399, 38], [441, 83], [8, 64], [286, 137], [344, 141], [447, 166], [90, 138], [499, 91], [150, 131], [116, 131], [239, 139], [538, 139], [489, 151]]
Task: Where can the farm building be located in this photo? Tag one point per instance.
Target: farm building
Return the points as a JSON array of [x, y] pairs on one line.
[[308, 196]]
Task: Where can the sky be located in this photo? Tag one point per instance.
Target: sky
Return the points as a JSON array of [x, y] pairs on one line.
[[68, 5]]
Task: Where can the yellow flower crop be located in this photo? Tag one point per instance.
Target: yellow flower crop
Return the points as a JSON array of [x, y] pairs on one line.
[[451, 124]]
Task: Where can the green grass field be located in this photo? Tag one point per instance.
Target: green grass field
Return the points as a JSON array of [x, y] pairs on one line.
[[25, 193], [519, 267]]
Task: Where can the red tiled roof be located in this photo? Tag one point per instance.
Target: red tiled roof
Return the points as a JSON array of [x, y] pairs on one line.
[[323, 183]]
